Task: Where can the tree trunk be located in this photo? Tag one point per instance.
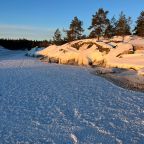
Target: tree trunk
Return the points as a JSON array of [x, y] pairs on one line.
[[98, 37]]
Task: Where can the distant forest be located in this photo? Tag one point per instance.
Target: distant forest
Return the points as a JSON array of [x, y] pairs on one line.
[[101, 26], [22, 44]]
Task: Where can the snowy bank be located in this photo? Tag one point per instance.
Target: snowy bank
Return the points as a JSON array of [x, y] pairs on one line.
[[125, 78], [127, 52]]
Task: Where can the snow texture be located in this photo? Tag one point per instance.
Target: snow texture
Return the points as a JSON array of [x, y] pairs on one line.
[[49, 103]]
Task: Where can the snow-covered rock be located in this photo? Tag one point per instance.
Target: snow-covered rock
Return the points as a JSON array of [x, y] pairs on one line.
[[84, 47], [33, 52], [141, 71], [113, 44], [47, 50], [103, 45], [101, 70], [122, 48], [121, 52], [68, 56], [139, 52], [121, 38], [116, 39], [138, 43], [128, 38], [79, 52], [118, 58], [96, 56], [131, 61]]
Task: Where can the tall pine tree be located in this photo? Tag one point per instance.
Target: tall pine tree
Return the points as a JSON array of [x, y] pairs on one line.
[[99, 24], [110, 30], [123, 25], [57, 37], [75, 30], [139, 29]]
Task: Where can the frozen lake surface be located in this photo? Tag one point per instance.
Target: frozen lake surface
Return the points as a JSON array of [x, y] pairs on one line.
[[58, 104]]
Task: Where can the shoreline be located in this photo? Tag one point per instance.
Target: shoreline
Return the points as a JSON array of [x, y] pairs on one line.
[[129, 80], [124, 81]]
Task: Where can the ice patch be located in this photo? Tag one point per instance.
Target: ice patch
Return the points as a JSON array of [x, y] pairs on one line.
[[74, 138], [119, 141]]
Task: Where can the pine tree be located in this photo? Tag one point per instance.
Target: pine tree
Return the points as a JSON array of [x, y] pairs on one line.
[[75, 30], [139, 29], [99, 24], [110, 30], [57, 37], [123, 25], [128, 27]]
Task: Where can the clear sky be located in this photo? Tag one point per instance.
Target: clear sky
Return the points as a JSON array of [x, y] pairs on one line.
[[38, 19]]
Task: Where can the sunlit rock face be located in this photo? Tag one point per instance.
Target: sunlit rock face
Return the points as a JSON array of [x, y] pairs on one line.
[[119, 52]]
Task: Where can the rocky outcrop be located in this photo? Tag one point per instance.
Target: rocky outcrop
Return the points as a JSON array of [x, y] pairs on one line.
[[118, 52]]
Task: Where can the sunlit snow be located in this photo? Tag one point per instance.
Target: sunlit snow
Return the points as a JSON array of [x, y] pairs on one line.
[[50, 103]]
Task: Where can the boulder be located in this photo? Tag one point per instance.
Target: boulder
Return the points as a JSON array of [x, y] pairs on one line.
[[138, 43], [101, 70], [122, 48], [113, 44]]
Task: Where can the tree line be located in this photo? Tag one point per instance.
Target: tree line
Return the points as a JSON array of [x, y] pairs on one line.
[[101, 26], [22, 44]]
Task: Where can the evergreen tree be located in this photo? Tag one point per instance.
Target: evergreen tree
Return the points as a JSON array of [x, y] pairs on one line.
[[110, 30], [75, 31], [57, 37], [99, 24], [139, 29], [123, 25]]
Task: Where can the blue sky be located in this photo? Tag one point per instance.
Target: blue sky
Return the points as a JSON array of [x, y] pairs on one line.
[[38, 19]]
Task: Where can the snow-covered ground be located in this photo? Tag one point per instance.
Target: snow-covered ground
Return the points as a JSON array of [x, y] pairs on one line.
[[49, 103]]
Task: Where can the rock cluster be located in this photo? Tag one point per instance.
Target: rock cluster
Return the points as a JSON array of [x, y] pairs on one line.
[[127, 52]]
